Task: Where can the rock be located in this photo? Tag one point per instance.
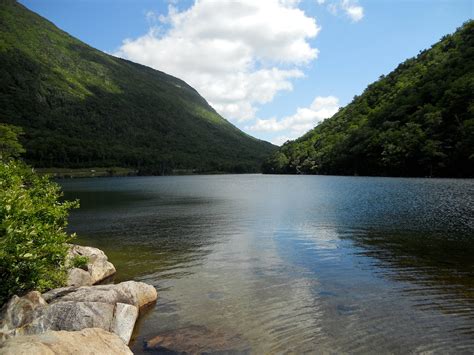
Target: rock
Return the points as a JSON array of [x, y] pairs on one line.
[[18, 312], [70, 316], [98, 267], [84, 342], [73, 309], [73, 316], [53, 294], [124, 320], [79, 277], [129, 292], [112, 308], [196, 340]]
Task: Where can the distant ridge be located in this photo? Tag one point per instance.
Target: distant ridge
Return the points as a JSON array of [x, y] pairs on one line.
[[80, 107], [416, 121]]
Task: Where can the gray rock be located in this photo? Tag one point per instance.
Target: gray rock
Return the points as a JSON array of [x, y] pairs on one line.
[[20, 310], [84, 342], [70, 316], [110, 307], [124, 321], [98, 267], [53, 294], [129, 292], [79, 277]]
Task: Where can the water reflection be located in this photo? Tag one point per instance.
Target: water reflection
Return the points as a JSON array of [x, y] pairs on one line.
[[141, 231], [439, 268], [292, 263]]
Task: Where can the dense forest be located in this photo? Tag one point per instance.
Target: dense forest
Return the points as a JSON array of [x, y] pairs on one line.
[[416, 121], [80, 107]]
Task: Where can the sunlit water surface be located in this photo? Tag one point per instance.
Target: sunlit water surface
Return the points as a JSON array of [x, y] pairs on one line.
[[292, 263]]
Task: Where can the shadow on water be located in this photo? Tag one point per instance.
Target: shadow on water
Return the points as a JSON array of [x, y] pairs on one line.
[[144, 234]]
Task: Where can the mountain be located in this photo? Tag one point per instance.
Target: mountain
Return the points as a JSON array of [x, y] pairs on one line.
[[416, 121], [80, 107]]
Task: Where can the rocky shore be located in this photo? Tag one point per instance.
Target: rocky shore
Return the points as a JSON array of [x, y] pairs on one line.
[[84, 317]]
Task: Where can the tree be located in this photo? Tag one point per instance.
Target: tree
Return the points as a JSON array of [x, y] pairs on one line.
[[10, 147]]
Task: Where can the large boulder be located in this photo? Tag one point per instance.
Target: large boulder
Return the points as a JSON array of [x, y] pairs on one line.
[[119, 318], [84, 342], [20, 311], [113, 308], [98, 267], [79, 277], [70, 316], [129, 292], [125, 316]]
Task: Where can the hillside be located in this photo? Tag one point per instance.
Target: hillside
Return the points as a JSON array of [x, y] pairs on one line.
[[416, 121], [80, 107]]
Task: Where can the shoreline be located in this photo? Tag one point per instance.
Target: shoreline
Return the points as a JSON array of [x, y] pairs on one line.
[[79, 173]]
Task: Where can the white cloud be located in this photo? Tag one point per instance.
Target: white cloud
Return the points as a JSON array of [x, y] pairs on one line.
[[350, 8], [300, 122], [353, 10], [238, 55], [280, 140]]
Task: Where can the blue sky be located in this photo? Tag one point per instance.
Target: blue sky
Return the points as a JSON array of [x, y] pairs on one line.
[[273, 68]]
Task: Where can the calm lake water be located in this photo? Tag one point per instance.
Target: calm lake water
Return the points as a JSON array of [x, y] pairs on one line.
[[270, 264]]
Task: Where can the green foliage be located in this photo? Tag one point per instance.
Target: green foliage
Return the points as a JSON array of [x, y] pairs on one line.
[[81, 108], [32, 231], [80, 261], [10, 147], [416, 121]]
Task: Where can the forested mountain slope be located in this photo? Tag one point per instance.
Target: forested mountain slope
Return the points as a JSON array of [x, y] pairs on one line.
[[416, 121], [80, 107]]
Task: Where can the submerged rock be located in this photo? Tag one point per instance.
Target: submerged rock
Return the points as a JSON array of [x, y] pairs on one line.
[[195, 340], [84, 342], [98, 267]]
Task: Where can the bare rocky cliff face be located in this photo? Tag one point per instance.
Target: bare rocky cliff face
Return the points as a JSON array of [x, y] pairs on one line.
[[76, 313]]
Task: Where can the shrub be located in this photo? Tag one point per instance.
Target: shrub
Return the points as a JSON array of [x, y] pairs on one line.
[[80, 262], [32, 231]]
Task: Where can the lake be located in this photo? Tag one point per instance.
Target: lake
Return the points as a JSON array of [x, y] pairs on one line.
[[270, 264]]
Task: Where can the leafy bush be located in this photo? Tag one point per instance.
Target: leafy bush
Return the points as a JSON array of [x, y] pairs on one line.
[[32, 231], [80, 262], [9, 145]]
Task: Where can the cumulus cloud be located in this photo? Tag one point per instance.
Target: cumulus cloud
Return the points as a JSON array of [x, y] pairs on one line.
[[353, 10], [350, 8], [238, 55], [300, 122]]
